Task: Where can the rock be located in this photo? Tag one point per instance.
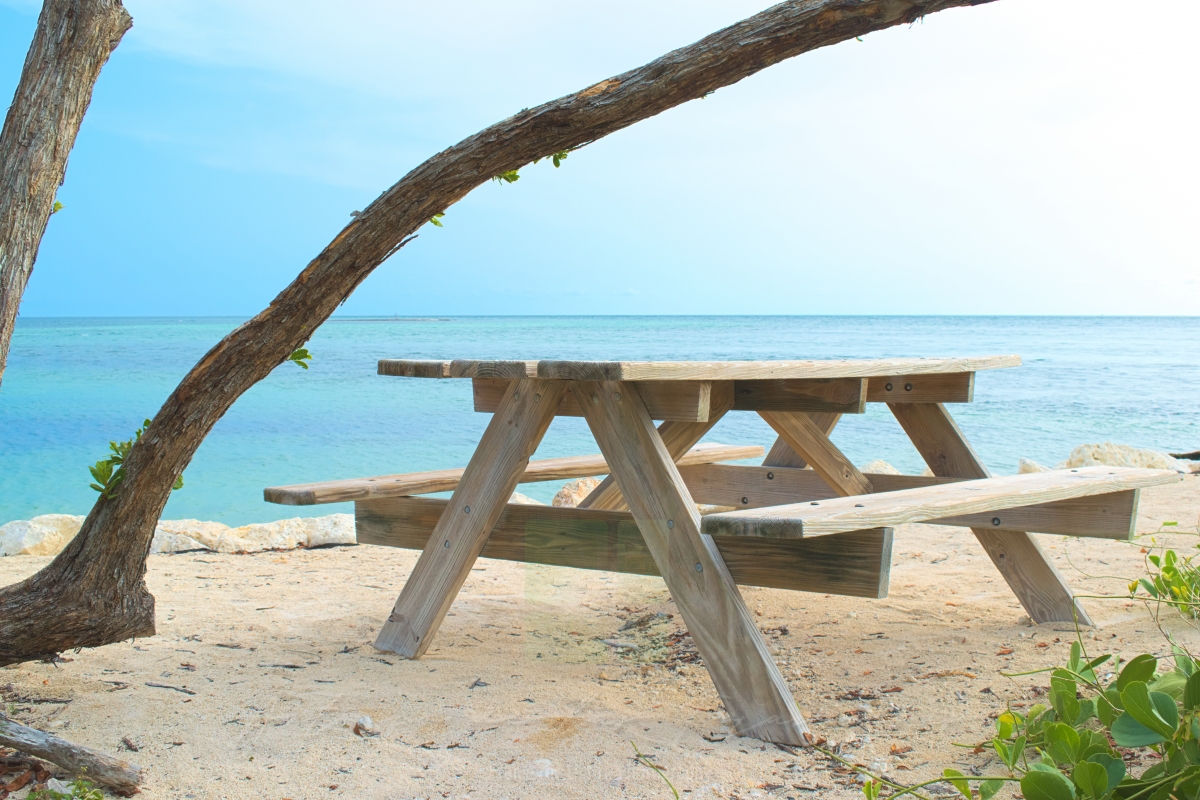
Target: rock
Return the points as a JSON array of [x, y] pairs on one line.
[[1109, 454], [44, 535], [927, 472], [180, 535], [1028, 465], [522, 500], [573, 492], [879, 467]]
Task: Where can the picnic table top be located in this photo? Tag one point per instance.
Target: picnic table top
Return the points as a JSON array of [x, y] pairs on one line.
[[691, 370]]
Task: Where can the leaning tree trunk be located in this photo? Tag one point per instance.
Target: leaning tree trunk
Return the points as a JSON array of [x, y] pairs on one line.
[[73, 40], [93, 593]]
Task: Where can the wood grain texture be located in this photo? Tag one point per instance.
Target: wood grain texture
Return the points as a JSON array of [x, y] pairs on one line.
[[781, 453], [71, 44], [754, 692], [831, 395], [686, 401], [1106, 516], [807, 439], [487, 483], [97, 589], [414, 369], [446, 480], [955, 387], [1040, 587], [887, 509], [116, 774], [855, 564]]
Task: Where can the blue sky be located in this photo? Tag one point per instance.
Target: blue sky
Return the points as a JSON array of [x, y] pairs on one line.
[[1025, 157]]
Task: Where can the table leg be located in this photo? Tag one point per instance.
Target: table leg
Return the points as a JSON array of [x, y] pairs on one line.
[[751, 686], [806, 438], [491, 476], [1038, 585], [781, 453]]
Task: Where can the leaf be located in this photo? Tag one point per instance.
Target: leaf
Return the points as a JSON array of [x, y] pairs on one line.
[[178, 484], [1062, 742], [1006, 725], [57, 207], [988, 789], [1045, 785], [436, 219], [1140, 668], [1191, 692], [1087, 710], [1145, 706], [959, 781], [1091, 780], [1128, 732], [508, 176], [1017, 750], [1115, 767], [871, 790], [1171, 683]]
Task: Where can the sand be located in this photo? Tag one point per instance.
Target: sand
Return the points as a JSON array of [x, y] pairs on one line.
[[520, 697]]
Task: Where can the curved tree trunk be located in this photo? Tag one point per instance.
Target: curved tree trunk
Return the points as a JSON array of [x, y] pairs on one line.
[[73, 40], [93, 593]]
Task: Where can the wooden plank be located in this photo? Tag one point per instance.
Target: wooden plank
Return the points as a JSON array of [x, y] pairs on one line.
[[954, 387], [1107, 516], [782, 455], [831, 395], [686, 401], [414, 369], [854, 564], [446, 480], [488, 481], [677, 437], [755, 694], [887, 509], [807, 439], [699, 370], [764, 370], [1040, 587]]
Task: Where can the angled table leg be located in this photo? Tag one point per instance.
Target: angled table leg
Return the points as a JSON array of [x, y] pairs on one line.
[[751, 686], [781, 453], [806, 438], [1038, 585], [463, 529]]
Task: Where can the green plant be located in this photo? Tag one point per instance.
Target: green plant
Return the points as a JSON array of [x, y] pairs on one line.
[[644, 760], [80, 789], [110, 472], [436, 219], [299, 356], [508, 176], [57, 207], [1171, 580]]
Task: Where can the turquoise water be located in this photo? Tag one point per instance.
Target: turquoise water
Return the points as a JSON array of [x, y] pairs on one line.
[[74, 384]]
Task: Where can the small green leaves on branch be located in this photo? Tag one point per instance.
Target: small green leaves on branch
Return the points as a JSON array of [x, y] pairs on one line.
[[57, 207], [436, 219], [512, 175], [299, 356], [508, 176], [110, 472]]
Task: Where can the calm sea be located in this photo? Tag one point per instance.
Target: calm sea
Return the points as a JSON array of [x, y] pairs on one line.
[[74, 384]]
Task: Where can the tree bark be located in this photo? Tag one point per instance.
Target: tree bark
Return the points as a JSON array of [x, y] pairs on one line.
[[95, 588], [99, 768], [73, 40]]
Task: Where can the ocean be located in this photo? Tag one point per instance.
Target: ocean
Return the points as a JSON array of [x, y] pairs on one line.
[[74, 384]]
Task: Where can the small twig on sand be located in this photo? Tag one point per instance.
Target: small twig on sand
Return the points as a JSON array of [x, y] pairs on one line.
[[115, 773]]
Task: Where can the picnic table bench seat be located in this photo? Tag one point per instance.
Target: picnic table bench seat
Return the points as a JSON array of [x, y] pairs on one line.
[[806, 519]]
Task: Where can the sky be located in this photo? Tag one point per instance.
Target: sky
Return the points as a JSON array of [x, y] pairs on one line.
[[1022, 157]]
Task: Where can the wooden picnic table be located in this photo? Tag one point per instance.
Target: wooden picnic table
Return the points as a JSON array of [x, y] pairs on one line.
[[807, 519]]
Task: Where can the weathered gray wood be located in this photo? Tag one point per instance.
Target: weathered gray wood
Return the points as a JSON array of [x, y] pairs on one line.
[[807, 439], [416, 369], [73, 40], [487, 483], [114, 773], [955, 387], [828, 395], [445, 480], [754, 692], [1106, 516], [685, 401], [706, 370], [923, 504], [781, 453], [1040, 587], [855, 564]]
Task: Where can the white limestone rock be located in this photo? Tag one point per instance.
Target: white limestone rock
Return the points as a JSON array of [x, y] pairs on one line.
[[44, 535], [879, 467], [523, 500], [1026, 466], [1109, 454], [573, 492], [181, 535]]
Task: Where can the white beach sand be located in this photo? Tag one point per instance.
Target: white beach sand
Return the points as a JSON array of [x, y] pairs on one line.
[[274, 652]]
